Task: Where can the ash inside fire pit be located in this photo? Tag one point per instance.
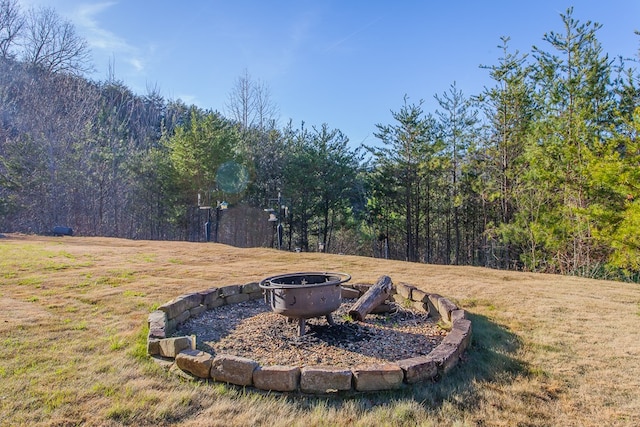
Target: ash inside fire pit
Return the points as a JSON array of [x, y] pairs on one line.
[[250, 329]]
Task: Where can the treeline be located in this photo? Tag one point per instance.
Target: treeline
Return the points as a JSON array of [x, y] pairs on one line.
[[538, 172]]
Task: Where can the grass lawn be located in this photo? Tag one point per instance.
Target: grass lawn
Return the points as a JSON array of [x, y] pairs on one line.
[[546, 350]]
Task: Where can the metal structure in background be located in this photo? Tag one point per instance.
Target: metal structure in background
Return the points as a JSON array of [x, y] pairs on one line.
[[220, 206], [276, 218]]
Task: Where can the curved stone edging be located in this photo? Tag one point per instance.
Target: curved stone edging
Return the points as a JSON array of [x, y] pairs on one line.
[[309, 379]]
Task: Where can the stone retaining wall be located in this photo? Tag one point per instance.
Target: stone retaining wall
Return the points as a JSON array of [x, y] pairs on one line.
[[310, 379]]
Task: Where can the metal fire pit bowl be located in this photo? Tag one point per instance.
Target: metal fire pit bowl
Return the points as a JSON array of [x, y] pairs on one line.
[[304, 295]]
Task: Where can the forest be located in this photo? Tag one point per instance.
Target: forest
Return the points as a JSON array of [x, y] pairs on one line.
[[538, 172]]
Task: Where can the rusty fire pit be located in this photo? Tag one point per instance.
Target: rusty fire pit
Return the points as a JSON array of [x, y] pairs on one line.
[[304, 295]]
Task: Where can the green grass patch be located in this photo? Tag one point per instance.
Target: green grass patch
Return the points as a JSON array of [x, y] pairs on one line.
[[120, 413], [31, 281], [115, 278], [147, 257], [80, 326], [139, 349], [9, 274], [115, 341], [103, 390], [130, 293], [56, 398], [11, 343]]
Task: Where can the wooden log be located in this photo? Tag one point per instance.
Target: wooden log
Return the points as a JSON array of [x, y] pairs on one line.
[[372, 298]]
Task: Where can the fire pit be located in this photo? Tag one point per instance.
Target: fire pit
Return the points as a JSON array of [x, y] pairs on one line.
[[304, 295]]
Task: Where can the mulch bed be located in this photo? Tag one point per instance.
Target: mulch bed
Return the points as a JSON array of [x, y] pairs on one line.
[[250, 329]]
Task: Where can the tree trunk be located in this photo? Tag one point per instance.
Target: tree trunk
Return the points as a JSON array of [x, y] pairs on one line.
[[372, 298]]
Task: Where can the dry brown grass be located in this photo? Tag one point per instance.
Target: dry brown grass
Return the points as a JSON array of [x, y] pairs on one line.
[[547, 350]]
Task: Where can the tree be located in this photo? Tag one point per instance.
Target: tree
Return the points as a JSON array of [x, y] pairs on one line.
[[574, 101], [335, 170], [11, 25], [196, 151], [614, 186], [52, 44], [399, 164], [508, 107], [298, 182], [458, 128], [250, 103]]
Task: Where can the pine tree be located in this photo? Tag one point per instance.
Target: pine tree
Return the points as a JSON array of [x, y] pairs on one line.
[[508, 109], [458, 126], [407, 144], [574, 100]]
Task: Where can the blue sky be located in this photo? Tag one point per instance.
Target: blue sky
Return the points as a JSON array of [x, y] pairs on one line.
[[344, 63]]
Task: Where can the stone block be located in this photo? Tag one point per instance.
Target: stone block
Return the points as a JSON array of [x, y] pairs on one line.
[[234, 299], [418, 369], [195, 362], [361, 287], [399, 299], [346, 292], [460, 335], [276, 378], [197, 311], [170, 347], [458, 315], [385, 376], [463, 325], [256, 295], [445, 307], [210, 295], [219, 302], [405, 289], [419, 295], [249, 288], [172, 324], [433, 299], [233, 369], [182, 317], [226, 291], [318, 379], [421, 307], [153, 346], [157, 324], [433, 302], [445, 356], [181, 304]]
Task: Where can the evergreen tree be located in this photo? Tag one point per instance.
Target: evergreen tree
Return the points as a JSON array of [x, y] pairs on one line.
[[508, 107], [407, 145], [458, 127], [574, 100]]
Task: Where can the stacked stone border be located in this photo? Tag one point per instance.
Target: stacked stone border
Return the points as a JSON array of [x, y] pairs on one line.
[[180, 352]]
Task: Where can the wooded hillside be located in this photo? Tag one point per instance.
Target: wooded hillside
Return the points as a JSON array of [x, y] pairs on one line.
[[538, 172]]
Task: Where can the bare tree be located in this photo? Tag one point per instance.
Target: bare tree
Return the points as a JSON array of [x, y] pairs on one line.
[[250, 103], [240, 106], [51, 43], [11, 24], [266, 110]]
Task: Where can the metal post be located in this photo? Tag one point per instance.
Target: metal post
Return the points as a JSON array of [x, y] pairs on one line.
[[215, 230], [207, 226]]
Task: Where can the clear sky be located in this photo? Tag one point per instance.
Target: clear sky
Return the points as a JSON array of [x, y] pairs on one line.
[[346, 63]]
